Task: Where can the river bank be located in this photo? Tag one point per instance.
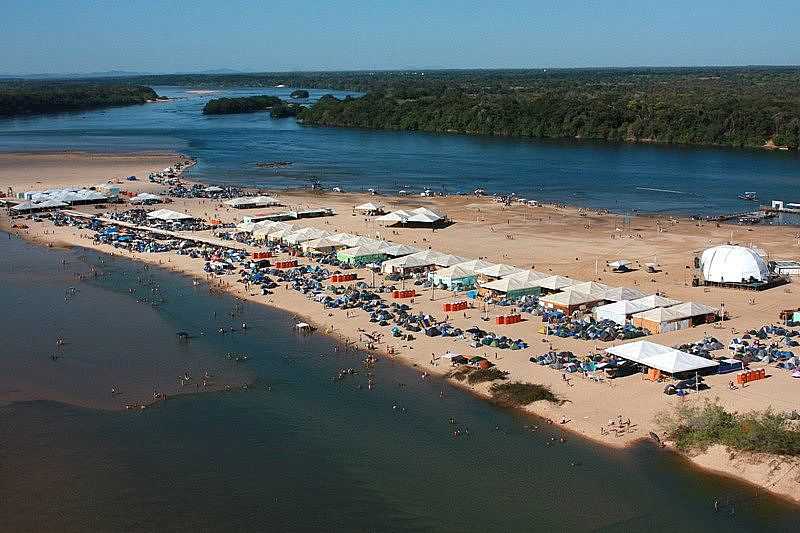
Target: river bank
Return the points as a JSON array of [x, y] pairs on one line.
[[562, 240]]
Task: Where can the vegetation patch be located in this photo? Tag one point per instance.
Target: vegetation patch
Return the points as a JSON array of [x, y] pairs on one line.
[[483, 375], [696, 427], [32, 98], [460, 374], [244, 104], [517, 393]]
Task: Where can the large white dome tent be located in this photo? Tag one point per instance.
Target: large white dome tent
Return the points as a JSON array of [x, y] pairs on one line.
[[733, 264]]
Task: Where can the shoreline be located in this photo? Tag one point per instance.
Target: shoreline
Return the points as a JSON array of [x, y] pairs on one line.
[[292, 303]]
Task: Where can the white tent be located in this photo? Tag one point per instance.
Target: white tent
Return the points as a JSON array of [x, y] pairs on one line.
[[305, 234], [733, 264], [528, 275], [618, 311], [398, 250], [261, 230], [568, 299], [25, 207], [556, 283], [692, 309], [622, 293], [661, 357], [499, 270], [145, 198], [370, 207], [423, 215], [591, 288], [213, 188], [510, 285], [324, 244], [654, 301], [168, 215], [251, 201], [395, 217], [420, 261]]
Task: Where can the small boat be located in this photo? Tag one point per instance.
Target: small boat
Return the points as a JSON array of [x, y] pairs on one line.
[[749, 196]]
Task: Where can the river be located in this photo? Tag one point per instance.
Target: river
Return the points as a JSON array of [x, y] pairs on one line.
[[296, 450], [621, 177]]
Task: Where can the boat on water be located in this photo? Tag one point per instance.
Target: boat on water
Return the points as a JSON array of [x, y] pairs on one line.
[[749, 196]]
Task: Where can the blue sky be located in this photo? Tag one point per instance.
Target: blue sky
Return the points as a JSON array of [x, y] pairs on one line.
[[169, 36]]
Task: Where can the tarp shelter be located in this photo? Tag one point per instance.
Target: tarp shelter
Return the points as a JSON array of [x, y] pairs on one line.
[[619, 294], [511, 287], [168, 215], [370, 208], [570, 301], [361, 255], [497, 271], [661, 357], [556, 283], [145, 198], [618, 312], [249, 202]]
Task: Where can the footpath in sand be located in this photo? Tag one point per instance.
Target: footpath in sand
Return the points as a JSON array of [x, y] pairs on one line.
[[566, 241]]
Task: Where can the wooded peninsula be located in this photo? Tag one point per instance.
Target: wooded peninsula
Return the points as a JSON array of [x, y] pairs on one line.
[[37, 97]]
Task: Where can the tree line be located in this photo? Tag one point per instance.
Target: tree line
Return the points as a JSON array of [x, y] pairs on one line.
[[31, 98]]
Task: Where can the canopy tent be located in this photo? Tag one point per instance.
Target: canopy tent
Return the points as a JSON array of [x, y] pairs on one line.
[[361, 255], [590, 287], [661, 357], [322, 245], [398, 250], [146, 198], [511, 287], [168, 215], [556, 283], [694, 309], [620, 265], [618, 312], [26, 207], [619, 294], [676, 317], [305, 234], [423, 215], [461, 275], [68, 196], [279, 234], [357, 240], [655, 300], [370, 208], [251, 201], [395, 217], [262, 230], [569, 301], [497, 271], [213, 189], [528, 275], [420, 261]]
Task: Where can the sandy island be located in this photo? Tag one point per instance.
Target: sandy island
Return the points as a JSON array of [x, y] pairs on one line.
[[562, 240]]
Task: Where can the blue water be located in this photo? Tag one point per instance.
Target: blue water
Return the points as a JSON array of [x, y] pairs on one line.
[[620, 177], [296, 451]]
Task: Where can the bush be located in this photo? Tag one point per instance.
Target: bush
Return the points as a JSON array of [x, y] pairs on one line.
[[460, 374], [696, 427], [517, 393], [483, 375]]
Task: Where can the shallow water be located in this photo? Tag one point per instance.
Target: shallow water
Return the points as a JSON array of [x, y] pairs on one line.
[[298, 451], [620, 177]]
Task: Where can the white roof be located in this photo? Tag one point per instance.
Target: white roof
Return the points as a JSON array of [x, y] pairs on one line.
[[506, 285], [473, 265], [622, 293], [655, 300], [619, 263], [430, 213], [733, 264], [528, 275], [324, 243], [394, 216], [622, 307], [590, 287], [693, 309], [454, 272], [145, 197], [305, 234], [570, 298], [168, 214], [555, 283], [213, 188], [499, 270], [660, 314], [261, 201], [31, 206], [357, 240], [660, 357], [366, 249], [397, 250], [369, 206]]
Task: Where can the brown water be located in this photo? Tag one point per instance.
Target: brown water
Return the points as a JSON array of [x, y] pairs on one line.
[[296, 451]]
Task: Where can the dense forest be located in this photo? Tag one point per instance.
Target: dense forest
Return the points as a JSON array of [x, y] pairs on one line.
[[242, 104], [729, 106], [30, 98]]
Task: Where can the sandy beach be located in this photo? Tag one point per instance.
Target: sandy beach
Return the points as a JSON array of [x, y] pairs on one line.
[[563, 240]]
